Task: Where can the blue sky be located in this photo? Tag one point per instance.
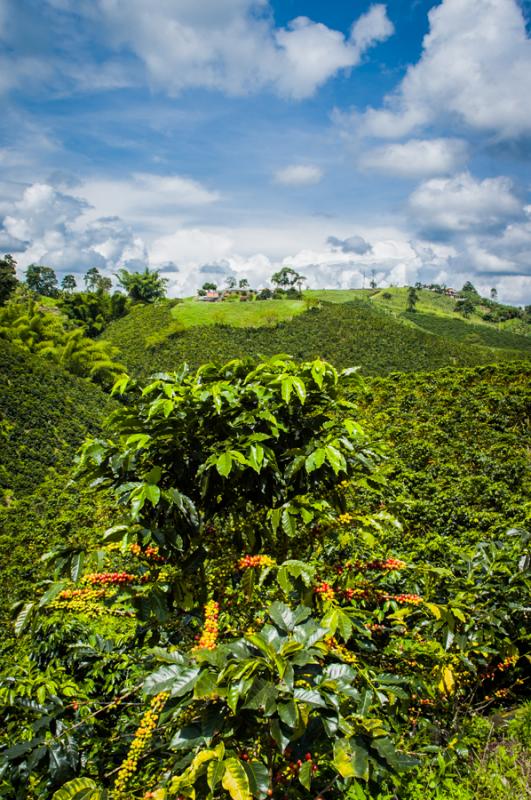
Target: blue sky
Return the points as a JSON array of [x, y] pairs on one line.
[[210, 138]]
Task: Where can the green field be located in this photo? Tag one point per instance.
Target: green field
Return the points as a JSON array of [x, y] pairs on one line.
[[249, 314]]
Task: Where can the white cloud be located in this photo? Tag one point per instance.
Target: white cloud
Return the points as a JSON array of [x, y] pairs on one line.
[[233, 45], [46, 226], [417, 158], [148, 200], [475, 67], [299, 175], [462, 203]]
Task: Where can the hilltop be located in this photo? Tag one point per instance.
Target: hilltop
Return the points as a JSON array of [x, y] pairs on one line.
[[347, 332]]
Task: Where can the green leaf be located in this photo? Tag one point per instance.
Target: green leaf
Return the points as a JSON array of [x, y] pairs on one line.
[[215, 772], [154, 475], [235, 780], [79, 789], [258, 775], [343, 758], [152, 493], [224, 464], [310, 696], [335, 459], [300, 389], [305, 775], [23, 618], [76, 565], [282, 615], [288, 713], [315, 459], [174, 678]]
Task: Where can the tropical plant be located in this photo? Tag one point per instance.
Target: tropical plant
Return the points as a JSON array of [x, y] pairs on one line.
[[43, 331], [143, 287]]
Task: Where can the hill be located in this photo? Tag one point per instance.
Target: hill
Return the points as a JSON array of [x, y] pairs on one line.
[[150, 339]]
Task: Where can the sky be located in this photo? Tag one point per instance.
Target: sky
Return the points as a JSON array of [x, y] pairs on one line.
[[208, 138]]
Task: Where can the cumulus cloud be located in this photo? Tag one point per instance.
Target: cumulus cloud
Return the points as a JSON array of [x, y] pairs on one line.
[[354, 244], [234, 46], [417, 158], [47, 226], [475, 66], [464, 204], [299, 175]]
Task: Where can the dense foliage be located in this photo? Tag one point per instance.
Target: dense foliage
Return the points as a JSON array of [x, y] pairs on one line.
[[458, 454], [469, 333], [324, 665]]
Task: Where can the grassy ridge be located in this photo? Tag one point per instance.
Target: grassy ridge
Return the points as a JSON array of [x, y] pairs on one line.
[[346, 334]]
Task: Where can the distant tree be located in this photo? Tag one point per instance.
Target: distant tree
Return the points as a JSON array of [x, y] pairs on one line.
[[92, 279], [412, 298], [470, 290], [143, 287], [465, 307], [494, 294], [42, 280], [8, 277], [373, 283], [230, 280], [68, 284], [264, 294], [208, 286], [243, 283], [286, 278], [418, 286], [104, 284]]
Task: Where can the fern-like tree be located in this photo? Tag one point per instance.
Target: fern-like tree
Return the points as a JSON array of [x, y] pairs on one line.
[[143, 287]]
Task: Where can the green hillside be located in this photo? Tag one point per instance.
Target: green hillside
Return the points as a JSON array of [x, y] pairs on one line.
[[45, 413], [457, 443], [347, 334]]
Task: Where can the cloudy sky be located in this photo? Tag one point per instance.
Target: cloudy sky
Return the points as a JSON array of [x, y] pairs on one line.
[[217, 137]]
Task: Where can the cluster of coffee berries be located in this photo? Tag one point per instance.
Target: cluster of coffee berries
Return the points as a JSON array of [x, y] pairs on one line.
[[255, 561], [345, 519], [151, 553], [510, 661], [387, 564], [326, 591], [375, 627], [105, 578], [209, 636], [415, 599], [143, 734], [341, 651], [292, 769]]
